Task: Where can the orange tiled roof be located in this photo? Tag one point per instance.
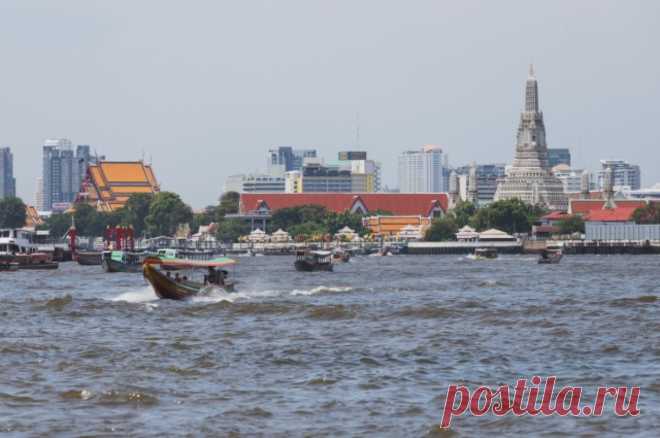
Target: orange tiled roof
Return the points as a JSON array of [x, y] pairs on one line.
[[396, 203], [109, 184], [390, 225]]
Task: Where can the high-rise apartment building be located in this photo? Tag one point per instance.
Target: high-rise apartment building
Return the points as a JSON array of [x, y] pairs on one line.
[[63, 171], [423, 171], [487, 177], [7, 180], [624, 174]]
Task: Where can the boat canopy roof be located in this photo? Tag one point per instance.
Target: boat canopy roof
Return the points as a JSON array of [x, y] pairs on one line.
[[219, 262]]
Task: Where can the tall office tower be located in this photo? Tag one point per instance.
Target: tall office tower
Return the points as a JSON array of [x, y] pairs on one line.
[[63, 171], [7, 180], [529, 178], [423, 171]]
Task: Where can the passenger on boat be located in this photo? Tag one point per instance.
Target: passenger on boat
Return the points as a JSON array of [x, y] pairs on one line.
[[177, 278]]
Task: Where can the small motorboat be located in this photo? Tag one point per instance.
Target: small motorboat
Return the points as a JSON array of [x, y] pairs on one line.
[[313, 260], [485, 254], [550, 256], [180, 287], [383, 252], [340, 256], [89, 258]]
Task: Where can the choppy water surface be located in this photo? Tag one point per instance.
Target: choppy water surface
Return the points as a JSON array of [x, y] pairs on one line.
[[366, 350]]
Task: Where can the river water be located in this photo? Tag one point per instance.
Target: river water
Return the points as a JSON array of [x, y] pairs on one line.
[[368, 350]]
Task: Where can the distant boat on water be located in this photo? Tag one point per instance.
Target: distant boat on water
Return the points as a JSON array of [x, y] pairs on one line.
[[313, 260], [484, 254], [550, 256]]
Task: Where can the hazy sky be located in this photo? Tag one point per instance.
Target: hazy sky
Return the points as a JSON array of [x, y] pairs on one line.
[[206, 87]]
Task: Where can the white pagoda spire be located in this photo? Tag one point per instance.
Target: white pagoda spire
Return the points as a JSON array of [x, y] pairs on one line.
[[532, 92]]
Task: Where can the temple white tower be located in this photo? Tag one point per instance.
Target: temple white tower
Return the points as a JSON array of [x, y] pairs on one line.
[[529, 178], [453, 189]]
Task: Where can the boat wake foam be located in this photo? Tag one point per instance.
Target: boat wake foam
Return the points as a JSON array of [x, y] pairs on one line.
[[320, 290], [143, 295]]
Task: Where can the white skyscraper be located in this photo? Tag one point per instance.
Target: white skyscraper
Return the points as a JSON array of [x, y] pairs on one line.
[[423, 171]]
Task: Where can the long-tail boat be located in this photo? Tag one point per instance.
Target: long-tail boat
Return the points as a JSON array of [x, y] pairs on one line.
[[177, 287]]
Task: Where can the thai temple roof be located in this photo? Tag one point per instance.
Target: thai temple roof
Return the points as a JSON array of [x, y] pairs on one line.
[[109, 184], [32, 218]]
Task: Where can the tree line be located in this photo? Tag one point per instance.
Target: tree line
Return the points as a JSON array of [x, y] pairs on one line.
[[511, 215]]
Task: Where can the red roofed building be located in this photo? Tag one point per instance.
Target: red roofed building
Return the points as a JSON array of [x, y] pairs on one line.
[[595, 210], [583, 206], [399, 204], [553, 217], [619, 214]]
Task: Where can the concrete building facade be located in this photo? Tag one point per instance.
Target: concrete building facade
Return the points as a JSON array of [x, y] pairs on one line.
[[247, 183], [423, 171]]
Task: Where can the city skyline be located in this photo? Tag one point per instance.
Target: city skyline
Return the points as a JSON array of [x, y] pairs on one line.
[[203, 104]]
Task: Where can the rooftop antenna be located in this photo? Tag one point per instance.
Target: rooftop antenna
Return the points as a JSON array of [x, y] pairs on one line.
[[357, 129]]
